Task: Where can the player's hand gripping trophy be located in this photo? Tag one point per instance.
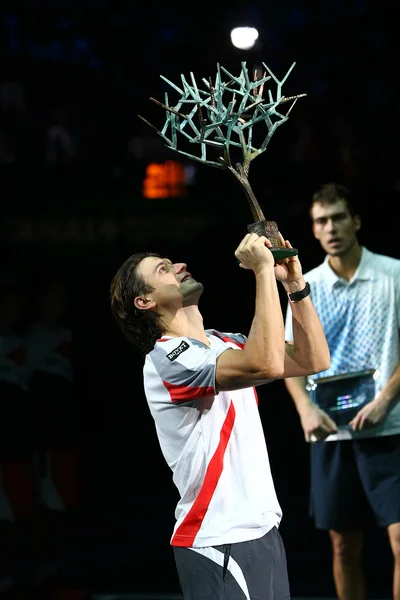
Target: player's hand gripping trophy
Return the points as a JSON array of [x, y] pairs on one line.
[[223, 117]]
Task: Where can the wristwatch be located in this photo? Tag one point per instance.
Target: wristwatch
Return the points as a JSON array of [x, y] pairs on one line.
[[297, 296]]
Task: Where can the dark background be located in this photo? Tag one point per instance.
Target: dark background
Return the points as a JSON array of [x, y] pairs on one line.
[[91, 68]]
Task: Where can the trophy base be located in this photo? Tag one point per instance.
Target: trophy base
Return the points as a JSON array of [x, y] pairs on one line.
[[270, 230], [283, 252]]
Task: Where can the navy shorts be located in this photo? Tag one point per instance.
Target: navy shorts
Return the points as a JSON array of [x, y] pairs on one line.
[[253, 569], [349, 478]]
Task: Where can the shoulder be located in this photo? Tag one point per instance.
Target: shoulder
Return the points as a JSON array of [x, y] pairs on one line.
[[382, 262], [184, 366], [237, 339], [171, 348], [315, 274], [178, 350]]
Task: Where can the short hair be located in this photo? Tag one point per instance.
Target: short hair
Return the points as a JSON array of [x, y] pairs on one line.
[[142, 328], [330, 193]]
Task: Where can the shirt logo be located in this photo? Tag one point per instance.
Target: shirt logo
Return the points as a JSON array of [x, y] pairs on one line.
[[175, 353]]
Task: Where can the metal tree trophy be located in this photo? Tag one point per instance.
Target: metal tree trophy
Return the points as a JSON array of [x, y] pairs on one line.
[[205, 118]]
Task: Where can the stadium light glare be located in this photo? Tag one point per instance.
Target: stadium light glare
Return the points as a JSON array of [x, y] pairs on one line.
[[244, 38]]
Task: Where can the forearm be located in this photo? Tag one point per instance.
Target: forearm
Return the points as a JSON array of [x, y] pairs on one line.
[[311, 351], [265, 346]]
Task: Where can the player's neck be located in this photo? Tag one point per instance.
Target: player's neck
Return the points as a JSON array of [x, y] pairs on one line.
[[187, 322], [347, 263]]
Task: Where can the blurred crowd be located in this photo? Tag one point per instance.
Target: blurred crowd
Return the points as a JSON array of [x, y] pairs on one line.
[[41, 433], [73, 83]]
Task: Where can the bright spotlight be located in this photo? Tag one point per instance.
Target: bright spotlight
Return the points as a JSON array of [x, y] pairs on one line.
[[244, 37]]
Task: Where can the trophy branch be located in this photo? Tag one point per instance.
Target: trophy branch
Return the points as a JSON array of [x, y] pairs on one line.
[[221, 118]]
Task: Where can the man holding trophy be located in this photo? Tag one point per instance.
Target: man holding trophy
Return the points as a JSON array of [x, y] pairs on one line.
[[351, 412], [200, 386]]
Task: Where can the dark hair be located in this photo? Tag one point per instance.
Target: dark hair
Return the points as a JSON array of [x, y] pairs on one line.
[[330, 193], [142, 328]]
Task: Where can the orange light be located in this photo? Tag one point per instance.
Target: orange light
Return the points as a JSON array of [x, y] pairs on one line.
[[164, 180]]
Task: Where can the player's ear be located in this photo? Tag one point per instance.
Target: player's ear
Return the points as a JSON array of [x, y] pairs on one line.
[[143, 303], [357, 222]]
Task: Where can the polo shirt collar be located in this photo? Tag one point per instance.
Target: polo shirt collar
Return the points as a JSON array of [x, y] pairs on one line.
[[364, 270]]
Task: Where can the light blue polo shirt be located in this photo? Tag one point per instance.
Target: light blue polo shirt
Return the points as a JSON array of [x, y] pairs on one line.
[[361, 320]]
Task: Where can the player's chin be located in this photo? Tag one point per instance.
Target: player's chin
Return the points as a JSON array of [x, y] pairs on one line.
[[192, 289]]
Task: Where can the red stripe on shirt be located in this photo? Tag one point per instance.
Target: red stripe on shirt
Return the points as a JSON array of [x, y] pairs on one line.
[[180, 393], [255, 394], [190, 526], [228, 339]]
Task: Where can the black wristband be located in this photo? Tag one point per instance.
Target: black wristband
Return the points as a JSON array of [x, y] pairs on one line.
[[297, 296]]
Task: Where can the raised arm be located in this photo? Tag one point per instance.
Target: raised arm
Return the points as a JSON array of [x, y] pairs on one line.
[[309, 352], [263, 355]]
